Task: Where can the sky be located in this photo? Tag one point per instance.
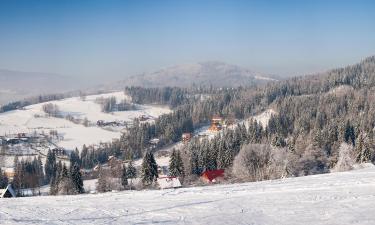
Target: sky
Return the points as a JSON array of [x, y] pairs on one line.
[[110, 39]]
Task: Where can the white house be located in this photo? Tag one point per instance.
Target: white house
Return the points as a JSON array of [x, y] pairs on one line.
[[7, 192], [169, 182]]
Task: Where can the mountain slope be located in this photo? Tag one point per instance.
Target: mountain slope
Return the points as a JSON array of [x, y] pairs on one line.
[[205, 73], [337, 198]]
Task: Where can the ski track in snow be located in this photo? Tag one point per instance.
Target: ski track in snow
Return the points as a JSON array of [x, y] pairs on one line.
[[336, 198]]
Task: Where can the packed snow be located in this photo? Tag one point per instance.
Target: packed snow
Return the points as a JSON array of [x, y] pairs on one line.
[[336, 198]]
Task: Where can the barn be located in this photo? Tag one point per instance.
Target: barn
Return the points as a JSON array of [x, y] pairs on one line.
[[169, 182], [211, 176], [7, 192]]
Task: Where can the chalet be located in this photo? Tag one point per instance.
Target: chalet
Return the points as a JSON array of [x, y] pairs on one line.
[[7, 192], [144, 118], [216, 124], [186, 137], [212, 176], [168, 182], [59, 151], [155, 141], [9, 172]]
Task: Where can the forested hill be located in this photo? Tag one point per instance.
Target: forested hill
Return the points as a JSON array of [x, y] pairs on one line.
[[315, 116], [211, 73], [361, 75]]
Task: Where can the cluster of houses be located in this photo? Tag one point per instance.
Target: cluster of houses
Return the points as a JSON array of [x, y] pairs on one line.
[[143, 118], [13, 139], [102, 123], [218, 123]]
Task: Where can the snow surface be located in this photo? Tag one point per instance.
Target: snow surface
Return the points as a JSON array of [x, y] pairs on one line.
[[264, 117], [75, 135], [336, 198]]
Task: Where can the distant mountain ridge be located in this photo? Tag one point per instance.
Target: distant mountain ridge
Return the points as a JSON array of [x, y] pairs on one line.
[[217, 74]]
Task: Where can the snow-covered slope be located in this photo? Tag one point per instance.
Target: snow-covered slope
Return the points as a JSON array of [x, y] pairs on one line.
[[337, 198], [32, 118]]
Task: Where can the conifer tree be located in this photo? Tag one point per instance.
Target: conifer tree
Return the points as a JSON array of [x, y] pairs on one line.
[[132, 171], [3, 179], [76, 179], [124, 177], [50, 167], [149, 169]]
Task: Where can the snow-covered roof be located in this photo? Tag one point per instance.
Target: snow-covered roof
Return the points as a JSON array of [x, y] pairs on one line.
[[7, 189], [169, 182]]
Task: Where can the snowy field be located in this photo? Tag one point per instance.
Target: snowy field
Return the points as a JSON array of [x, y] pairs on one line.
[[74, 135], [337, 198]]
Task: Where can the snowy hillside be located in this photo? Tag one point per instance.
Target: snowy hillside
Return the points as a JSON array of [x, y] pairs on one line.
[[33, 118], [337, 198], [207, 73]]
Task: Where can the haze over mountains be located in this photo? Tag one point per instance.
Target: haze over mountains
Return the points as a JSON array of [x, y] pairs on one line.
[[16, 85]]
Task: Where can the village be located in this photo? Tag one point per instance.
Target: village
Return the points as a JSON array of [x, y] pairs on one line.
[[39, 144]]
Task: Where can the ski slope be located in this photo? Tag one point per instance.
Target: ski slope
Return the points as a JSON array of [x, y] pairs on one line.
[[336, 198]]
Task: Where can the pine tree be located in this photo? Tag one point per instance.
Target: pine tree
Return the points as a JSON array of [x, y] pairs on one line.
[[124, 177], [362, 149], [102, 185], [50, 167], [149, 169], [132, 171], [3, 179], [76, 179], [173, 165], [180, 165]]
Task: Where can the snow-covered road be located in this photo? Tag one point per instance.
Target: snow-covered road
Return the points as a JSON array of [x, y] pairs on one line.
[[337, 198]]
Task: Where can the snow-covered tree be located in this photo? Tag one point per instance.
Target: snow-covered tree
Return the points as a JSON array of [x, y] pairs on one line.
[[76, 179], [149, 169]]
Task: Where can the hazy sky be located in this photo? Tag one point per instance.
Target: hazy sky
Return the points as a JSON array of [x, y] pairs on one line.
[[118, 38]]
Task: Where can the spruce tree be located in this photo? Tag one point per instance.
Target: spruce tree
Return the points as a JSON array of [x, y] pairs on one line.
[[149, 169], [132, 171], [124, 177], [3, 180], [173, 167], [76, 179], [50, 167]]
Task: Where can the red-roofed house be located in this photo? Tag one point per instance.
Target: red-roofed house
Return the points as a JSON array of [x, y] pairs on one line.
[[211, 176]]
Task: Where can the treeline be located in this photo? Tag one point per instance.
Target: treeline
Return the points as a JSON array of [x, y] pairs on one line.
[[110, 104], [165, 96], [64, 180], [28, 174], [33, 100]]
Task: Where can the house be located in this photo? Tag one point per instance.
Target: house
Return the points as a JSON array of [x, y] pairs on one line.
[[59, 151], [9, 172], [216, 124], [155, 141], [7, 192], [186, 137], [168, 182], [212, 176]]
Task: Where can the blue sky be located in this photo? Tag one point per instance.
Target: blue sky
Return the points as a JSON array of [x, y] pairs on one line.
[[116, 38]]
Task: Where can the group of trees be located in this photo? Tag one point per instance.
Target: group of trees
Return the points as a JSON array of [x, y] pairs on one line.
[[51, 109], [61, 179], [110, 104], [28, 174], [33, 100], [116, 177]]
